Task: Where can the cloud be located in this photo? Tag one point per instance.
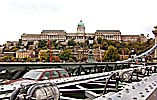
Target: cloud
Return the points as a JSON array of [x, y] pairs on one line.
[[33, 6]]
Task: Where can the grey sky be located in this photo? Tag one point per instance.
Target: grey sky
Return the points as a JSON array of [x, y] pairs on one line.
[[33, 16]]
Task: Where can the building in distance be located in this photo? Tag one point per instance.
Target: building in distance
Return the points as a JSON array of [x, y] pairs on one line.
[[80, 35]]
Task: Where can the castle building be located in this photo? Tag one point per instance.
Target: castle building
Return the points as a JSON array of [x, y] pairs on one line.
[[108, 34], [59, 35], [79, 36], [133, 38]]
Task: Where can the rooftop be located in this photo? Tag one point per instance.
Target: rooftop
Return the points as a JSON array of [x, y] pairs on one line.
[[49, 31], [107, 30], [130, 35]]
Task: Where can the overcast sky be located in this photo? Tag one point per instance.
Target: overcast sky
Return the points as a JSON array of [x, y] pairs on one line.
[[33, 16]]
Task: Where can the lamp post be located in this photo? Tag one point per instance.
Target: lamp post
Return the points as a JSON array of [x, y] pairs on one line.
[[143, 60], [49, 45], [90, 55]]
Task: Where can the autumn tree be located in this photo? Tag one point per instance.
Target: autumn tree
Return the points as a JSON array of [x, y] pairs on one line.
[[111, 55], [42, 56], [56, 59], [65, 55], [14, 49]]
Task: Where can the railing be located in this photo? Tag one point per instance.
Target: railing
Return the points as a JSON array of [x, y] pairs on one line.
[[74, 69]]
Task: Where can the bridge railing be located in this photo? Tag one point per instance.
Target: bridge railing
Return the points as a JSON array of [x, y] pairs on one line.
[[16, 69]]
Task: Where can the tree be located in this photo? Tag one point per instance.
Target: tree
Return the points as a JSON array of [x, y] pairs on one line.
[[65, 55], [1, 60], [6, 58], [6, 49], [37, 59], [84, 59], [127, 51], [109, 42], [74, 58], [100, 40], [71, 42], [111, 55], [14, 49], [24, 59], [70, 60], [29, 59], [56, 59], [42, 56], [47, 56], [28, 46], [104, 46], [54, 44], [96, 45], [19, 43], [42, 43], [13, 59]]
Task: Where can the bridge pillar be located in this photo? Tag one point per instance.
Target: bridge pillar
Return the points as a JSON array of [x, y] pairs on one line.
[[155, 34]]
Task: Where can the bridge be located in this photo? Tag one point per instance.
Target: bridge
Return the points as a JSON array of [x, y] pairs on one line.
[[88, 81], [111, 85]]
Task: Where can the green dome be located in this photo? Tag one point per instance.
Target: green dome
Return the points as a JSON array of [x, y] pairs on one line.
[[81, 23]]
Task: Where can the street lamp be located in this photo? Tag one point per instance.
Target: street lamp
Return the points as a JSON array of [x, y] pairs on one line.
[[144, 60], [49, 45], [90, 55]]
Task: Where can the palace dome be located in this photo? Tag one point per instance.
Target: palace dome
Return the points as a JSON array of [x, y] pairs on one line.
[[81, 23]]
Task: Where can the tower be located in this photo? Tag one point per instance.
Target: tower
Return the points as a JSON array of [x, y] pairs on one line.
[[80, 35], [80, 27], [155, 34]]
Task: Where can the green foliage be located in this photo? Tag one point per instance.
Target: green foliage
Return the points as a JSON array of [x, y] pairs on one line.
[[1, 60], [99, 40], [96, 45], [13, 59], [19, 43], [111, 55], [42, 43], [6, 49], [70, 60], [104, 46], [54, 44], [109, 42], [14, 49], [43, 55], [37, 59], [29, 59], [6, 58], [65, 55], [29, 44], [47, 56], [25, 58], [71, 42]]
